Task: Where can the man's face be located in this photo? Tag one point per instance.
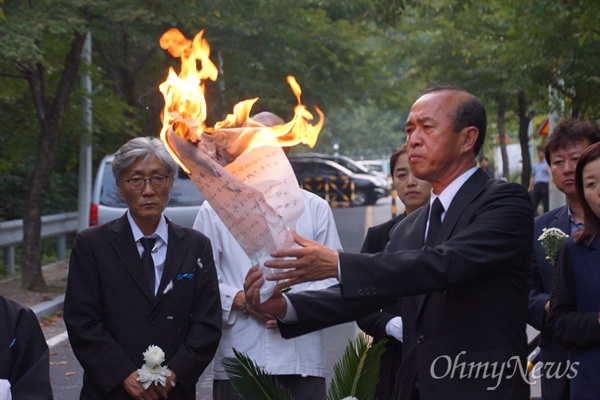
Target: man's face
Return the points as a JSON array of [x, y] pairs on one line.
[[541, 155], [433, 147], [562, 166], [412, 191], [148, 203]]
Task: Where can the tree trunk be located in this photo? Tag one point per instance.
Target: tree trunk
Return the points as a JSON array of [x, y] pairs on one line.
[[524, 139], [502, 138], [50, 118]]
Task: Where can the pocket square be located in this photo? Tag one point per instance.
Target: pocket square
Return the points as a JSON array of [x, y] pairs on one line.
[[184, 276], [199, 263]]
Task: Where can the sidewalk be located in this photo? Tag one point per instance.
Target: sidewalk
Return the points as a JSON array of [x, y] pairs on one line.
[[44, 304]]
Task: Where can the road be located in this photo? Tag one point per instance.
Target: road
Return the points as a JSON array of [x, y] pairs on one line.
[[66, 374]]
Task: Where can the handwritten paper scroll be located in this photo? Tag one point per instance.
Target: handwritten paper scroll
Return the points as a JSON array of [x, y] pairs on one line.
[[256, 196]]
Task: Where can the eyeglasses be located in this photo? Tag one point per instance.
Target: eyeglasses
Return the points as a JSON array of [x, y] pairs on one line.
[[157, 182]]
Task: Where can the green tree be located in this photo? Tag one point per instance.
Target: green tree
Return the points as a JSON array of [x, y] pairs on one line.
[[256, 44], [32, 36], [506, 52]]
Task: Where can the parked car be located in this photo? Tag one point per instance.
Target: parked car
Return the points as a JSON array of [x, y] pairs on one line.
[[368, 188], [107, 204], [346, 162], [382, 166]]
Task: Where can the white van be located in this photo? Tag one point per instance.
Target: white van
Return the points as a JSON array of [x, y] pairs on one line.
[[107, 204]]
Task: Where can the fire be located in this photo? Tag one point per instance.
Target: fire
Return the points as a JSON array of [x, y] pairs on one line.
[[185, 108]]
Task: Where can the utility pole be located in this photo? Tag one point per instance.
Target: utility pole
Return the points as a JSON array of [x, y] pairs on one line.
[[85, 139]]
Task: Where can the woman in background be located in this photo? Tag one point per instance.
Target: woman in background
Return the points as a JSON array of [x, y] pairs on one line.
[[575, 300]]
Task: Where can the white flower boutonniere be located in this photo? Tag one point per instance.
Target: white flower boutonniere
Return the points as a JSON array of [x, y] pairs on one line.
[[152, 371], [551, 240]]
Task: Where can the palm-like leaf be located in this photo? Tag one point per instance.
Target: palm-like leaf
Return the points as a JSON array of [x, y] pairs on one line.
[[357, 372], [252, 382]]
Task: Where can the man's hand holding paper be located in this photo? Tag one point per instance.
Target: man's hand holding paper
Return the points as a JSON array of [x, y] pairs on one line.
[[310, 262]]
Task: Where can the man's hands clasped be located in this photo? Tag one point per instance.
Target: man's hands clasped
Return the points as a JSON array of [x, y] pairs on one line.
[[154, 392]]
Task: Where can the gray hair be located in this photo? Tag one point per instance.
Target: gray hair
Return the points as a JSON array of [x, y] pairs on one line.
[[145, 147], [268, 118]]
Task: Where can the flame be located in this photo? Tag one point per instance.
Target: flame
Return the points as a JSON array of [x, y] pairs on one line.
[[184, 93], [185, 107]]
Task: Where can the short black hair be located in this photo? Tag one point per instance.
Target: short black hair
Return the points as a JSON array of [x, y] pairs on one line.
[[570, 131], [395, 155], [470, 112]]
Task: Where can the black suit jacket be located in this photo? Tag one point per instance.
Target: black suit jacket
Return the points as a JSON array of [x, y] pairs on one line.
[[24, 354], [471, 305], [540, 286], [112, 317], [375, 324]]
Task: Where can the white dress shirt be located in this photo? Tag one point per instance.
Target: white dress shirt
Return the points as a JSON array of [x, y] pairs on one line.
[[304, 355], [159, 251]]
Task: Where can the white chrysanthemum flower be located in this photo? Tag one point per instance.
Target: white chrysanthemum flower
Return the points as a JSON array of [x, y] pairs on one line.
[[157, 375], [152, 371], [154, 356], [554, 233], [551, 240], [349, 398]]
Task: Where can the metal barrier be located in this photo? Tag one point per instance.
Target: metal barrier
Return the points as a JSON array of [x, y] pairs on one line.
[[57, 225], [337, 191]]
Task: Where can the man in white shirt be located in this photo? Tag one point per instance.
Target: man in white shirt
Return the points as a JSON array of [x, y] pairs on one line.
[[298, 364]]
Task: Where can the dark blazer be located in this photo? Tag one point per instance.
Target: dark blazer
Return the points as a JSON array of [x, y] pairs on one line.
[[554, 386], [471, 303], [374, 324], [112, 317], [573, 316], [24, 355]]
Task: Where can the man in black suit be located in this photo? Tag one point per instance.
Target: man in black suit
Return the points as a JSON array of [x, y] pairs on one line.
[[124, 295], [464, 324], [387, 324], [562, 150], [24, 354]]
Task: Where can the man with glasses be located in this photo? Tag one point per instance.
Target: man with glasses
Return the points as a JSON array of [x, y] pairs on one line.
[[142, 280]]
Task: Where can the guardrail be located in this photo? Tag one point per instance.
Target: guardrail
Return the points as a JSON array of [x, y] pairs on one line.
[[57, 225]]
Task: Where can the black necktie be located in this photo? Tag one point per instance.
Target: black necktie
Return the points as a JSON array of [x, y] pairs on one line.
[[435, 220], [147, 262]]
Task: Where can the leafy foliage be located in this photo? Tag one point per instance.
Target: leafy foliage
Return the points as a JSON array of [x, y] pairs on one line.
[[357, 372], [250, 381]]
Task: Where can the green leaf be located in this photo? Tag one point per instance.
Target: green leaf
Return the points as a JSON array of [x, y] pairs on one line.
[[357, 372], [252, 382]]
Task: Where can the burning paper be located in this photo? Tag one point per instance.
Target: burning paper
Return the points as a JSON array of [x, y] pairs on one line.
[[238, 164]]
